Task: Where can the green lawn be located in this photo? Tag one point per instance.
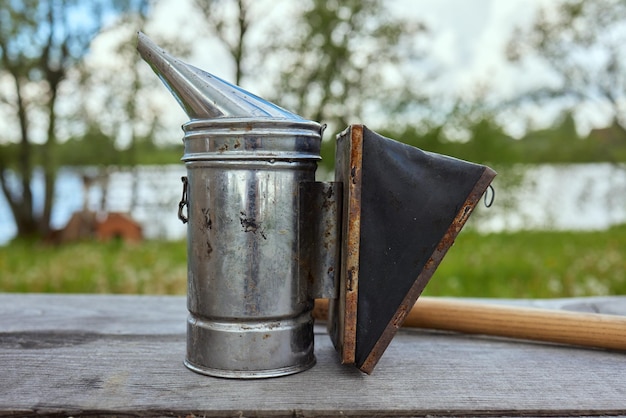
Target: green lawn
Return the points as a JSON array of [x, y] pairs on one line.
[[533, 265], [151, 267], [515, 265]]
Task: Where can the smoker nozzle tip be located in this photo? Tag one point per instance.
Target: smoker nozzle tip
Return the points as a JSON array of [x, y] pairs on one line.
[[203, 95]]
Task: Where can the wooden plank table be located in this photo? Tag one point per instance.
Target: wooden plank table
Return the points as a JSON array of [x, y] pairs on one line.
[[87, 355]]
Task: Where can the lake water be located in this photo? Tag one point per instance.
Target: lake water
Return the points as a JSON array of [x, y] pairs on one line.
[[573, 196], [149, 193], [563, 197]]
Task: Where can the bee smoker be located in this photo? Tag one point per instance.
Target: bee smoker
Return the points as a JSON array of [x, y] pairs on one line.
[[264, 239]]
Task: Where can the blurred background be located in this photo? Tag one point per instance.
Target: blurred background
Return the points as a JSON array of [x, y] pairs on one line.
[[90, 141]]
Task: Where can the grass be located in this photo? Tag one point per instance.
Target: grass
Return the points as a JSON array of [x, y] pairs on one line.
[[515, 265], [534, 264], [151, 267]]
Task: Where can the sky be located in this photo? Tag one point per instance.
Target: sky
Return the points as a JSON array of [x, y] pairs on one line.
[[470, 37]]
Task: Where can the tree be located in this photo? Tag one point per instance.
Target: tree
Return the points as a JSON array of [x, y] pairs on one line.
[[344, 57], [41, 44], [328, 61], [229, 21], [130, 117], [349, 62], [582, 44]]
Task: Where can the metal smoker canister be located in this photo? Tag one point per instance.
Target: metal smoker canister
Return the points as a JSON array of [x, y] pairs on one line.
[[265, 239], [250, 311], [248, 297]]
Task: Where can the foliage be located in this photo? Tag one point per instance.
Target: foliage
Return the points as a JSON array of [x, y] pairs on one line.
[[335, 65], [98, 149], [232, 32], [537, 264], [488, 143], [122, 106], [338, 62], [333, 61], [42, 43], [336, 59], [152, 267], [516, 265], [582, 44]]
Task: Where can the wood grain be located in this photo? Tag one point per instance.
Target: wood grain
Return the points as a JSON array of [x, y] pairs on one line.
[[531, 323], [122, 355]]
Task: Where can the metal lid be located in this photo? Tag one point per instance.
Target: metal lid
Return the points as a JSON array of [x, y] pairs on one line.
[[243, 138]]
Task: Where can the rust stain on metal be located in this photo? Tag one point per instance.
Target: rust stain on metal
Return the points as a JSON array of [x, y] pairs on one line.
[[320, 310], [401, 313], [350, 279], [250, 224], [320, 207], [208, 223], [352, 241]]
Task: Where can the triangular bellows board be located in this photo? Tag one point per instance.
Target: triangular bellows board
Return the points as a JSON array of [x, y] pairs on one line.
[[402, 209]]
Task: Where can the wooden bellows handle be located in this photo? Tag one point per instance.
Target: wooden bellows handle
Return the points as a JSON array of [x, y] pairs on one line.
[[557, 326]]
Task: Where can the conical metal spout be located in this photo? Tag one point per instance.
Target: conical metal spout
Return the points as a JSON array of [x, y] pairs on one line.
[[203, 95]]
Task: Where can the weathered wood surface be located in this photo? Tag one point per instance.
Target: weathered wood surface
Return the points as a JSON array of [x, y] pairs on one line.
[[122, 355]]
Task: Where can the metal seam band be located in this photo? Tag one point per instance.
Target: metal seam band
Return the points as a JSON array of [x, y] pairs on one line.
[[250, 326]]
